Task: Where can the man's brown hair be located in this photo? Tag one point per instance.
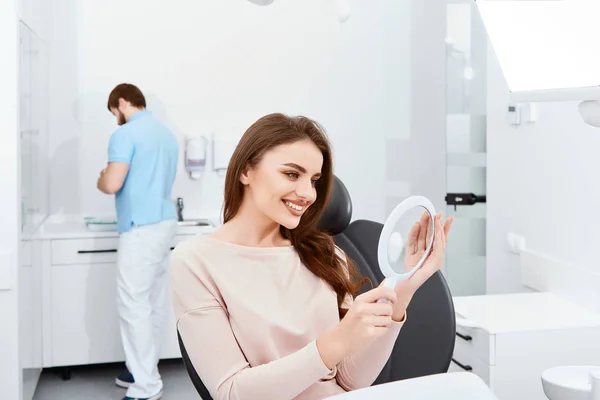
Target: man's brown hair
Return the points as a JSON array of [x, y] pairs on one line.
[[127, 92]]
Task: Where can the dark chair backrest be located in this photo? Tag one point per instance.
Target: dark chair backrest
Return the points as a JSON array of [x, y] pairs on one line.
[[198, 384]]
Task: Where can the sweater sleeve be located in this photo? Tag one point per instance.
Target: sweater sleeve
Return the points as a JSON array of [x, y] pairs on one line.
[[204, 327], [360, 369]]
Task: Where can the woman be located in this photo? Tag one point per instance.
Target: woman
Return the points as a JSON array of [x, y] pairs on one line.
[[264, 304]]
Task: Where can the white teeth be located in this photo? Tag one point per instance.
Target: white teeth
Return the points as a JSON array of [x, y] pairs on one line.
[[294, 206]]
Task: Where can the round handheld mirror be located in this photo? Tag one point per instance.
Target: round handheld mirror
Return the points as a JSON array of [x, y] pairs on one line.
[[406, 239]]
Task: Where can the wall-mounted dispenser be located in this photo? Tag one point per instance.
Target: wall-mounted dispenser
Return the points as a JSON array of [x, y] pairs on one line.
[[195, 155]]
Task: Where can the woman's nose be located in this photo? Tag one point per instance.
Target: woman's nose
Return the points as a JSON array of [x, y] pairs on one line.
[[306, 190]]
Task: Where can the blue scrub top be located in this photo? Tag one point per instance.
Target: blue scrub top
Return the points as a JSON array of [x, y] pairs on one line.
[[152, 152]]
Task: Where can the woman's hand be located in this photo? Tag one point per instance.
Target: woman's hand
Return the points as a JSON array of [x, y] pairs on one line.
[[415, 248], [365, 321]]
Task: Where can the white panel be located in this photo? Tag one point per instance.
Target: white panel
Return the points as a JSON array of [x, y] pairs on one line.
[[224, 144], [544, 273], [85, 323], [534, 55], [205, 86], [84, 319], [10, 372], [6, 276]]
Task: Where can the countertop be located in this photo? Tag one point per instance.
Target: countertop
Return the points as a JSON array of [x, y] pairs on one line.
[[77, 229], [521, 312]]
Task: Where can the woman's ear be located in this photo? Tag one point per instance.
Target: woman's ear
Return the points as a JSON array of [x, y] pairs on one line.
[[245, 176]]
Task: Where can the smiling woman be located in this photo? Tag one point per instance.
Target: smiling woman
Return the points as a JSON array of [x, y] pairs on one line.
[[280, 175], [275, 291]]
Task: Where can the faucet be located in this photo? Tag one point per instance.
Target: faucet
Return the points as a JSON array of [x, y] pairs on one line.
[[180, 209]]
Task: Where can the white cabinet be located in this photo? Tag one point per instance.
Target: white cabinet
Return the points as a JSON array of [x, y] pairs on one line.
[[513, 338], [84, 325], [81, 323], [30, 309]]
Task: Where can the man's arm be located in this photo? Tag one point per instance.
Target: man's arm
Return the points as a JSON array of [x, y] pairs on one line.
[[111, 179], [120, 154]]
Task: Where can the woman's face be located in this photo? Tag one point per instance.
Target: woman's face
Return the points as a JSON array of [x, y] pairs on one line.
[[282, 185]]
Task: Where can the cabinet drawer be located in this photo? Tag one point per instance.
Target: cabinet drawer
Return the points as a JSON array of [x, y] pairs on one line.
[[84, 251], [477, 342], [463, 360], [92, 251]]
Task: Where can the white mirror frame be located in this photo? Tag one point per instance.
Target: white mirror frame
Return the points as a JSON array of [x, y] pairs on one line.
[[392, 277]]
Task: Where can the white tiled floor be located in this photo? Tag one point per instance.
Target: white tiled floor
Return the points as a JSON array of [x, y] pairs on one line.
[[98, 383]]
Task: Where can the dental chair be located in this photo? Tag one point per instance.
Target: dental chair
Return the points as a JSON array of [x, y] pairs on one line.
[[426, 341]]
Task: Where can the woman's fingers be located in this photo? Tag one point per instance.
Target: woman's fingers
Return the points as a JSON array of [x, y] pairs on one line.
[[439, 243], [424, 231], [434, 260], [413, 239], [447, 226], [380, 292], [379, 320]]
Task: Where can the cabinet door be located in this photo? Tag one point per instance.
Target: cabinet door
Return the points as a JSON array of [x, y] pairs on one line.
[[85, 324], [26, 305]]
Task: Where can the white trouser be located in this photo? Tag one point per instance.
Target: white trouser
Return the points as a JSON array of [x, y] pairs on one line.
[[142, 284]]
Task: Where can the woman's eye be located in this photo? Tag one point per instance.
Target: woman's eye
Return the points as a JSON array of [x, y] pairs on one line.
[[314, 182], [292, 175]]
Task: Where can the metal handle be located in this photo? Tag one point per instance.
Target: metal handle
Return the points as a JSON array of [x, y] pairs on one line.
[[464, 199], [102, 251], [468, 199], [465, 367], [97, 251], [464, 337]]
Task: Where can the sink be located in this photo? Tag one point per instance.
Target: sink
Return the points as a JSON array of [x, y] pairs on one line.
[[194, 222], [571, 382]]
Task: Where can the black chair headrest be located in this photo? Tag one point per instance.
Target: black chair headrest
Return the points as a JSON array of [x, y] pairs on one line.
[[338, 212]]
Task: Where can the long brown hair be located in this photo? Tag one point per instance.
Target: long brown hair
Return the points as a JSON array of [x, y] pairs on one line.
[[316, 249]]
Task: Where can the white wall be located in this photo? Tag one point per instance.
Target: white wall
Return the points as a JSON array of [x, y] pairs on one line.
[[542, 184], [35, 14], [206, 66], [9, 203]]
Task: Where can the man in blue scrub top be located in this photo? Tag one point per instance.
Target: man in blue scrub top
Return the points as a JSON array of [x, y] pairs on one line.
[[142, 163]]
